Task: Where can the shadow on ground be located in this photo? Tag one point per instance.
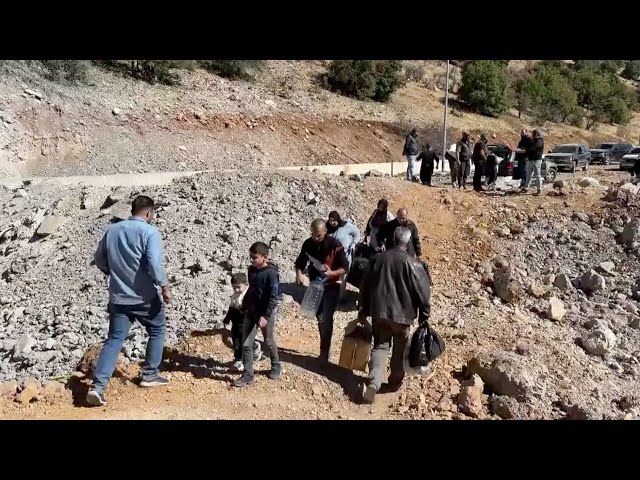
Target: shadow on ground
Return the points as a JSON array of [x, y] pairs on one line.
[[349, 382]]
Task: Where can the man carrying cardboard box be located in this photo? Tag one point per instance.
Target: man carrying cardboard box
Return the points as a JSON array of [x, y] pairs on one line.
[[394, 293]]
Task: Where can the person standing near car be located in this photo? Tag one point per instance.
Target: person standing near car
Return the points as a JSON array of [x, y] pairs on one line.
[[521, 156], [411, 150], [463, 155], [535, 151], [480, 152], [428, 157]]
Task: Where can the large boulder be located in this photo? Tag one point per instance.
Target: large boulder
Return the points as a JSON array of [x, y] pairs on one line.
[[50, 224], [591, 282], [470, 396], [556, 310], [506, 373], [506, 284], [630, 236], [599, 341]]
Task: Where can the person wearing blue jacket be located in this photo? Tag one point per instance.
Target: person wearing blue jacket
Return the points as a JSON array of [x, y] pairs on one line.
[[130, 253], [345, 232], [260, 303]]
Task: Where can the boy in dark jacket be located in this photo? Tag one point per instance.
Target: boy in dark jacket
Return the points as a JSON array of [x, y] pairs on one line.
[[235, 315], [260, 304]]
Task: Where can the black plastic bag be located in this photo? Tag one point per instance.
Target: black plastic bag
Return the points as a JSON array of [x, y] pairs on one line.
[[426, 346], [358, 271]]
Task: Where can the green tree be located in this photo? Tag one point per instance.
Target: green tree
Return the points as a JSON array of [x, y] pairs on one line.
[[484, 86], [234, 69], [550, 95], [365, 79], [631, 70]]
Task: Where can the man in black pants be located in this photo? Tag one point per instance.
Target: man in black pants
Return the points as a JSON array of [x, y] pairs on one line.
[[427, 157], [325, 258], [393, 294], [480, 152], [463, 152]]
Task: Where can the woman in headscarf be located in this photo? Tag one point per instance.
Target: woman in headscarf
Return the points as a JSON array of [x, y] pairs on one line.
[[380, 216], [345, 232]]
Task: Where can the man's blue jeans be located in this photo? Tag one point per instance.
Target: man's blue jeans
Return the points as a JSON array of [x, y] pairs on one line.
[[411, 161], [121, 317]]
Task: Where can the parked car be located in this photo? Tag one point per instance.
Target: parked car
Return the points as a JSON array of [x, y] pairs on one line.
[[605, 153], [629, 160], [508, 166], [570, 156]]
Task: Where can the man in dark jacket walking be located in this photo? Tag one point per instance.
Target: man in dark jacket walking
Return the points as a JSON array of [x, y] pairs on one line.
[[428, 157], [386, 233], [395, 292], [411, 150], [480, 153], [463, 153]]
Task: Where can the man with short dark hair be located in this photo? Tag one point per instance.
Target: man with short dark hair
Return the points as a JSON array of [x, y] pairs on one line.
[[463, 154], [326, 259], [428, 157], [393, 294], [411, 150], [535, 150], [130, 253], [386, 233], [480, 152]]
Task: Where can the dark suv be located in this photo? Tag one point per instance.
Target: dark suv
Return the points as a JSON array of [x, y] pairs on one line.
[[605, 153], [570, 156]]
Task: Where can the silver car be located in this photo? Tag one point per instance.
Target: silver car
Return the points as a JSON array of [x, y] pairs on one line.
[[629, 160]]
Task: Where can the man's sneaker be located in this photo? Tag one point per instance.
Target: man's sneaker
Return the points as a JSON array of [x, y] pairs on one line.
[[156, 381], [96, 399], [238, 366], [243, 381], [368, 394], [276, 372]]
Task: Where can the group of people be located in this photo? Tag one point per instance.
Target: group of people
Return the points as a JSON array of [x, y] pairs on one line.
[[528, 155], [393, 294]]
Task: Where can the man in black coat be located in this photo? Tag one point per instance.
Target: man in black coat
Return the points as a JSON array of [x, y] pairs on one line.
[[428, 157], [395, 292], [386, 233]]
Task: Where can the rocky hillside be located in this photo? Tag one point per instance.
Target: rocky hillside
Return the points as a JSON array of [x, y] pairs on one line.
[[116, 125]]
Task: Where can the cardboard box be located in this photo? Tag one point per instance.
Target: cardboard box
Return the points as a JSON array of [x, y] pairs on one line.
[[356, 347]]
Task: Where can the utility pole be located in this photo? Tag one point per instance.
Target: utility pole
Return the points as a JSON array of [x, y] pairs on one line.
[[446, 111]]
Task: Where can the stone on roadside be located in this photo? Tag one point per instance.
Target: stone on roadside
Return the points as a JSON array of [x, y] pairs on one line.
[[505, 407], [374, 173], [30, 392], [50, 224], [21, 193], [54, 389], [470, 396], [505, 283], [506, 373], [591, 282], [630, 236], [556, 310], [23, 347], [89, 360], [116, 111], [581, 216], [585, 182], [549, 279], [599, 341], [537, 290], [563, 282], [607, 267], [8, 388], [356, 177]]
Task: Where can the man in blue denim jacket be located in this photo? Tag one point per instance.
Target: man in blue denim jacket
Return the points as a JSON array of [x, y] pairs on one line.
[[130, 252]]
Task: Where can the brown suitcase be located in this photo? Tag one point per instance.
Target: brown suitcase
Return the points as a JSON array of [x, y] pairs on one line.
[[356, 346]]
